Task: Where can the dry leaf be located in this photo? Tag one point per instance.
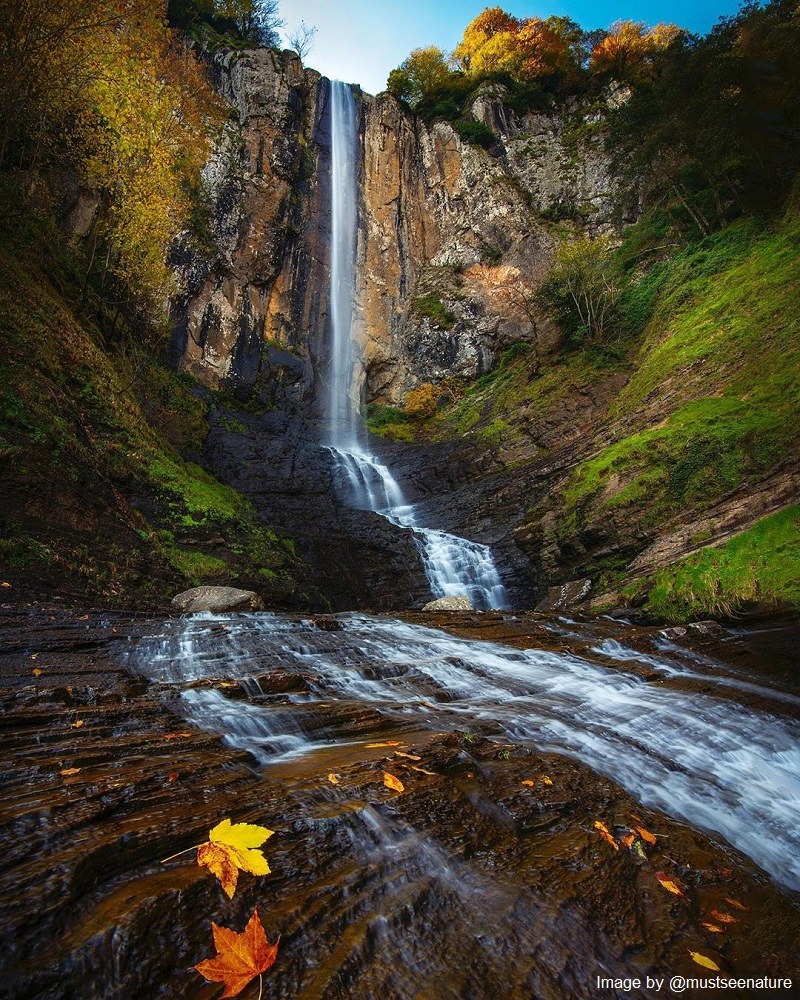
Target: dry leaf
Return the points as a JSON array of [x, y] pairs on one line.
[[736, 903], [408, 756], [178, 736], [703, 960], [5, 583], [391, 782], [646, 836], [173, 776], [78, 724], [668, 884], [629, 839], [604, 832], [69, 770], [546, 780], [712, 927], [528, 782], [422, 770], [724, 918], [333, 778], [240, 957], [388, 743], [37, 671], [230, 848], [638, 849]]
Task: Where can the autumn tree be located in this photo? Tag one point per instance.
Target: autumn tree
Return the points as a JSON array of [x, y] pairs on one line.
[[496, 42], [630, 50], [419, 75], [422, 401]]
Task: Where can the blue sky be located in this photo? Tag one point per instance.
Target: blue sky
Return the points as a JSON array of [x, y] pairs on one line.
[[361, 40]]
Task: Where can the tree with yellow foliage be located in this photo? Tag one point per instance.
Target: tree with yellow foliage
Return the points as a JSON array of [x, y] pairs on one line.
[[630, 50]]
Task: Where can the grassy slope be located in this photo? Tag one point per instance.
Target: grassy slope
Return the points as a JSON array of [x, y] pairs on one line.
[[99, 500], [710, 406]]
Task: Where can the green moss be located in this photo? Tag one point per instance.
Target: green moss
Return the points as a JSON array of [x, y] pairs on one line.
[[760, 566], [198, 567], [431, 307]]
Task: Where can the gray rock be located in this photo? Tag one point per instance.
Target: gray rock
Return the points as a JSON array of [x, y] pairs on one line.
[[217, 599], [449, 604], [565, 595]]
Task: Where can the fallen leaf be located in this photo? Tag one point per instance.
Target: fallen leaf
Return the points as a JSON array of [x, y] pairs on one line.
[[5, 583], [240, 957], [391, 782], [230, 848], [703, 960], [333, 778], [83, 618], [736, 903], [37, 671], [713, 928], [173, 776], [77, 724], [408, 756], [177, 736], [724, 918], [528, 782], [69, 770], [388, 743], [546, 780], [725, 872], [603, 830], [668, 884], [422, 770], [34, 656], [646, 836], [629, 839], [638, 849]]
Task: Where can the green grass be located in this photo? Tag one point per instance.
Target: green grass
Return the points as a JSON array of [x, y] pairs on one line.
[[431, 307], [760, 567]]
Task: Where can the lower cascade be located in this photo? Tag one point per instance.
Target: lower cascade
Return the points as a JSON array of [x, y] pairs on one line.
[[454, 566]]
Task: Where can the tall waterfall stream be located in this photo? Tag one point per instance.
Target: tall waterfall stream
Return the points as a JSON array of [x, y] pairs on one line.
[[454, 566]]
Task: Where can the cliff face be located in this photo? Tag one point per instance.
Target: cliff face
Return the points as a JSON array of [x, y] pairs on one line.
[[452, 236]]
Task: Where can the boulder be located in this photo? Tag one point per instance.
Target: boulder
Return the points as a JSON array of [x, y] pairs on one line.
[[217, 599], [565, 595], [449, 604]]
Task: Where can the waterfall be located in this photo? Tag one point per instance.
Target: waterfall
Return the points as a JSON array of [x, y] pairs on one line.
[[454, 566]]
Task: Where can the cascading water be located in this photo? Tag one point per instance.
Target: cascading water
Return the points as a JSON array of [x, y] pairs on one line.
[[454, 566]]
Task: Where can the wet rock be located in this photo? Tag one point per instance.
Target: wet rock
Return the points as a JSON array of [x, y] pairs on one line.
[[327, 623], [217, 599], [449, 604], [565, 595]]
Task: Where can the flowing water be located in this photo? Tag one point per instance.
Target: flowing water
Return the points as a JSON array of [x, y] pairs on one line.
[[694, 754], [454, 566]]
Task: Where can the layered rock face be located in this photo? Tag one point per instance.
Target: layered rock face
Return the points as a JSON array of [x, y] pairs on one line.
[[452, 236]]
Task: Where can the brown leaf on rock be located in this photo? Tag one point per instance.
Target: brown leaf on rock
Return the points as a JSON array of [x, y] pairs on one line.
[[735, 903], [705, 961], [628, 839], [78, 724], [391, 782], [177, 736], [714, 928], [646, 836], [431, 774], [67, 771], [605, 833], [37, 671], [387, 743], [240, 957], [528, 782], [408, 756], [724, 918], [333, 778], [669, 885]]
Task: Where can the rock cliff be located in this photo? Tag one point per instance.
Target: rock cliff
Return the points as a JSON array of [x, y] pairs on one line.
[[452, 236]]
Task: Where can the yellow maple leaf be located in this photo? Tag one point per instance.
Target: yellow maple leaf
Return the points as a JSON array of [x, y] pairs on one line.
[[231, 849], [707, 963], [668, 884], [546, 780], [333, 778], [391, 782]]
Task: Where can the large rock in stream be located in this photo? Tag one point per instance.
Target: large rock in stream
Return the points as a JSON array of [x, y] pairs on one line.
[[217, 600]]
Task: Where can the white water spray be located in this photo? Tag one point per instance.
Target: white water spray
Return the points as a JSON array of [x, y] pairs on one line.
[[454, 566]]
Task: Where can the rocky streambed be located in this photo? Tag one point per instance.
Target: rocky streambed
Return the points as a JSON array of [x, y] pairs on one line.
[[125, 739]]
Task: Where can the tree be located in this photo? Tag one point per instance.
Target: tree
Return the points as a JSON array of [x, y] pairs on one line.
[[419, 75], [496, 42], [301, 39], [583, 288], [630, 50]]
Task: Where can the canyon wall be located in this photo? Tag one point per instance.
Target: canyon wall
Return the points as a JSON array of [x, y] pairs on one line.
[[452, 236]]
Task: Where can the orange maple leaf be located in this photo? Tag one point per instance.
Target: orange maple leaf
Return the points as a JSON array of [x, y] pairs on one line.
[[670, 885], [240, 957]]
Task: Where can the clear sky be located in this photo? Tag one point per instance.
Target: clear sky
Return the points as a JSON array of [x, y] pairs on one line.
[[359, 41]]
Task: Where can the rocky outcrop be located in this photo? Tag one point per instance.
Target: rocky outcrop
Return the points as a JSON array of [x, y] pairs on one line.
[[216, 599], [448, 604]]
